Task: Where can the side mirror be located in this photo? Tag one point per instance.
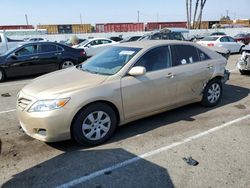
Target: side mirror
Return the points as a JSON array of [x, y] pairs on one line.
[[13, 56], [137, 71], [88, 46]]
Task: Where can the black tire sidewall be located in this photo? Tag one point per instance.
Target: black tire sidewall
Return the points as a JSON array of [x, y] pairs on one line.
[[76, 130], [243, 72], [205, 100], [3, 75]]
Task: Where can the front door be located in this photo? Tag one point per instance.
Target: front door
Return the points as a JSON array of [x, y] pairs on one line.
[[23, 61], [152, 91]]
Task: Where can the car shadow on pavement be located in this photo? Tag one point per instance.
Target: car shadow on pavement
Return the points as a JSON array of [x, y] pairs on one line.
[[76, 164], [231, 94]]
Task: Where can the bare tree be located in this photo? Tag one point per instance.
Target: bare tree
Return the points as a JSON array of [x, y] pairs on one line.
[[187, 10], [195, 13], [198, 9]]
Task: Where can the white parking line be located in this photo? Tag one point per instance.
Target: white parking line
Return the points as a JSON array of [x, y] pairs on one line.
[[233, 70], [14, 84], [7, 111], [148, 154]]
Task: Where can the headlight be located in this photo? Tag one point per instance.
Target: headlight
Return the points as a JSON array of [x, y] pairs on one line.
[[47, 105]]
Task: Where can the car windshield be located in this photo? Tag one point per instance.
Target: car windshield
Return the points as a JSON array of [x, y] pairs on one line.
[[210, 39], [110, 61]]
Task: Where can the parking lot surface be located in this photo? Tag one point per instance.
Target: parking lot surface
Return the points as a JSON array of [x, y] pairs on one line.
[[144, 153]]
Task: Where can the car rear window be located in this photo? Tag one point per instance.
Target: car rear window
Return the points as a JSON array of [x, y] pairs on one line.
[[210, 39]]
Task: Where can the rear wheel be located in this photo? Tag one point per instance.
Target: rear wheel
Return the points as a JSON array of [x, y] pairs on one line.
[[66, 64], [243, 72], [241, 49], [2, 75], [212, 93], [94, 124]]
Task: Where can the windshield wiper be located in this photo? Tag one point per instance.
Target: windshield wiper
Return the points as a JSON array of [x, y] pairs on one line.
[[95, 72]]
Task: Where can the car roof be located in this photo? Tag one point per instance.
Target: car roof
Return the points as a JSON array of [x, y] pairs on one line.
[[152, 43], [98, 39]]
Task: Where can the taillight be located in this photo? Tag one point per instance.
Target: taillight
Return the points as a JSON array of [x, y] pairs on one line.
[[210, 44], [82, 53]]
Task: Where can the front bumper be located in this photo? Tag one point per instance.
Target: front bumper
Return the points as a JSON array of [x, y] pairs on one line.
[[50, 126]]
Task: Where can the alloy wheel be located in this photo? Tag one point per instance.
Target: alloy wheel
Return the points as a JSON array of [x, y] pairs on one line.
[[214, 93], [67, 64], [96, 125]]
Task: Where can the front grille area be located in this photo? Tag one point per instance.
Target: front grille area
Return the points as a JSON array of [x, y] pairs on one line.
[[23, 103]]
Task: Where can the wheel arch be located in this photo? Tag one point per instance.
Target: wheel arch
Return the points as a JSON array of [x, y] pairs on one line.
[[112, 105]]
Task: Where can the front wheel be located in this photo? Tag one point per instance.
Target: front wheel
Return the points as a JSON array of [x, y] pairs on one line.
[[212, 93], [2, 75], [94, 124]]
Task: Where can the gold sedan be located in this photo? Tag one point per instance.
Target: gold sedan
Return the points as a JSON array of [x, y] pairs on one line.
[[122, 84]]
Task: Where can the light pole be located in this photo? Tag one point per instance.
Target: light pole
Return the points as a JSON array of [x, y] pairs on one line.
[[26, 18]]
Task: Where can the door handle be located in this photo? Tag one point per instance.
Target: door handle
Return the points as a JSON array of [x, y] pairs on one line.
[[209, 66], [170, 75], [34, 57], [58, 53]]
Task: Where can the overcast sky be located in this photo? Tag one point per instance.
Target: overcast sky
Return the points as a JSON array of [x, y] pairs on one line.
[[102, 11]]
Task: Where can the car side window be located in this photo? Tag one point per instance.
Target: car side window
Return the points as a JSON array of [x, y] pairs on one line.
[[224, 39], [155, 59], [105, 41], [230, 39], [184, 54], [27, 50], [59, 49], [203, 56], [45, 48], [93, 43]]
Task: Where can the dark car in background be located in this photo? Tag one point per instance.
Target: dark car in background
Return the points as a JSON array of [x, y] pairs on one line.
[[130, 39], [243, 37], [116, 39], [38, 58], [164, 34], [217, 33]]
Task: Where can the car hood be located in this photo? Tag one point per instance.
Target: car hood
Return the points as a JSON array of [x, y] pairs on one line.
[[54, 84]]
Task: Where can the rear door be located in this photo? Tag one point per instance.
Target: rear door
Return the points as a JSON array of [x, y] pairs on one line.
[[193, 69], [154, 90], [49, 56], [235, 46]]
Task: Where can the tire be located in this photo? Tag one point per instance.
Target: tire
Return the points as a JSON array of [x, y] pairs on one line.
[[2, 75], [66, 64], [212, 93], [89, 129], [240, 52], [243, 72]]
